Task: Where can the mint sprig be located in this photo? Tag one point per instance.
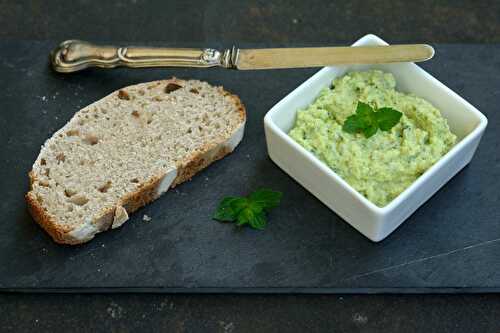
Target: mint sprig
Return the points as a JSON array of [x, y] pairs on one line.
[[249, 210], [368, 121]]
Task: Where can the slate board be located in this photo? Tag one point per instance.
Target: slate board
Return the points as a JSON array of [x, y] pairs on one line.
[[450, 244]]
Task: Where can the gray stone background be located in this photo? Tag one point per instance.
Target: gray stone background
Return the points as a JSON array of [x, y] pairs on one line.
[[275, 22]]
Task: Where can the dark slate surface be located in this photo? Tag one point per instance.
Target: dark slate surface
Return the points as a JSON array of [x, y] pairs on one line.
[[253, 21], [125, 313], [451, 243]]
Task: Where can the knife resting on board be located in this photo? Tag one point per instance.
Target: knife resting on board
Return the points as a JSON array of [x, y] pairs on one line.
[[75, 55]]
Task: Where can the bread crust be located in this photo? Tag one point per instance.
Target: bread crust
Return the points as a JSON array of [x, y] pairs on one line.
[[45, 220], [146, 192]]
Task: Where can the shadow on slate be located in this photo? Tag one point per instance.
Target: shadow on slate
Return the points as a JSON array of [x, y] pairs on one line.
[[450, 244]]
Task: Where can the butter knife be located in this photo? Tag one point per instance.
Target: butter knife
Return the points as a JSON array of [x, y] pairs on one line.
[[75, 55]]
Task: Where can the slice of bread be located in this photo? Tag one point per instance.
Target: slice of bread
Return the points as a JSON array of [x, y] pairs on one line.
[[125, 150]]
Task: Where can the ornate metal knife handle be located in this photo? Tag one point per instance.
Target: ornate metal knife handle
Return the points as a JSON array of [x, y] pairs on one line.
[[75, 55]]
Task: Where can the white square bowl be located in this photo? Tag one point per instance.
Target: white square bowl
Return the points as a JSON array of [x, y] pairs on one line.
[[376, 223]]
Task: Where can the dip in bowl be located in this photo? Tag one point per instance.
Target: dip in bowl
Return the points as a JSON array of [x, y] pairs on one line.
[[373, 184], [384, 165]]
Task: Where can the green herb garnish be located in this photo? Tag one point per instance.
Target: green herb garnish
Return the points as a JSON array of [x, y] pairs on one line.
[[368, 121], [249, 210]]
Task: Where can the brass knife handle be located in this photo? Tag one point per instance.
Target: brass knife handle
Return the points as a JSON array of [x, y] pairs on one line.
[[74, 55]]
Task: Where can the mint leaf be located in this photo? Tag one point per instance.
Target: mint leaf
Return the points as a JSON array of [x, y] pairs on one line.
[[238, 205], [368, 121], [259, 221], [362, 121], [245, 216], [352, 124], [387, 118], [248, 210], [265, 198], [225, 211], [364, 110], [370, 130]]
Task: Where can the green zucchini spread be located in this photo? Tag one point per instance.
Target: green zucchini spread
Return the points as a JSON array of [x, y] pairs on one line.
[[384, 165]]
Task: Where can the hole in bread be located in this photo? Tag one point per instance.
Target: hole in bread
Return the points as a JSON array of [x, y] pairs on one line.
[[60, 157], [96, 116], [122, 94], [134, 180], [194, 91], [141, 92], [149, 121], [69, 208], [190, 130], [79, 199], [47, 172], [200, 128], [91, 139], [172, 87], [73, 132], [43, 161], [104, 188], [104, 111], [69, 192], [135, 113], [43, 183]]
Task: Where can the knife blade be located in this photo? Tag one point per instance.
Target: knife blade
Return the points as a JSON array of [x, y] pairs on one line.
[[75, 55], [326, 56]]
